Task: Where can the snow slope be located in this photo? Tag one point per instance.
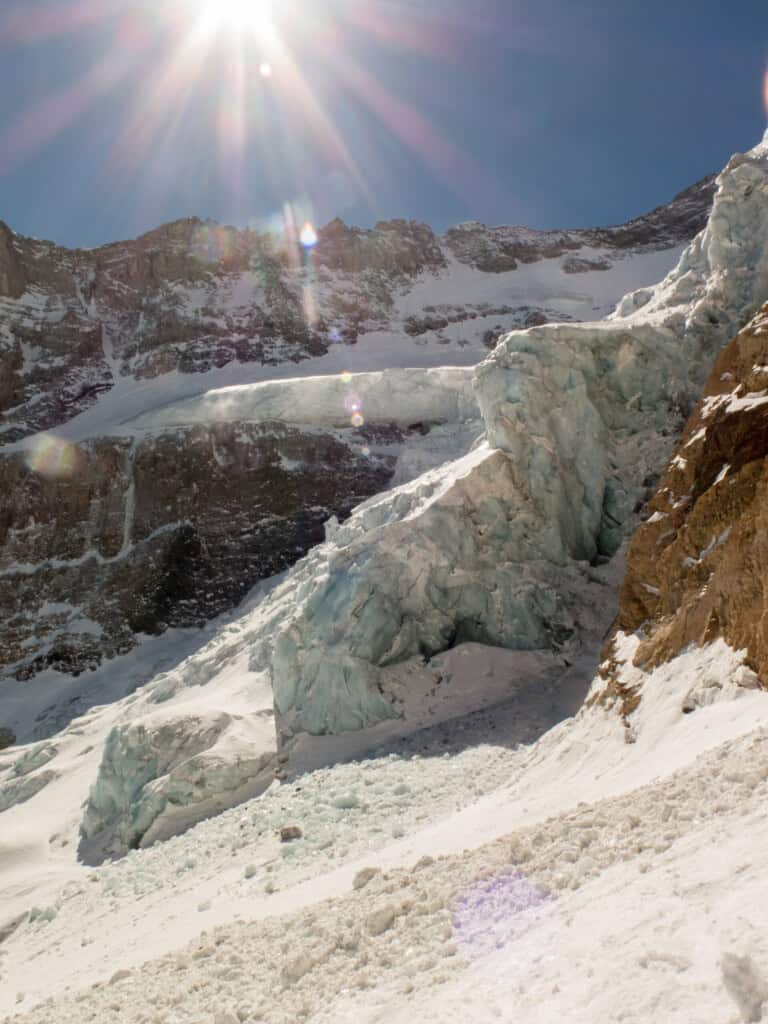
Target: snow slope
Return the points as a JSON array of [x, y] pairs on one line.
[[509, 893]]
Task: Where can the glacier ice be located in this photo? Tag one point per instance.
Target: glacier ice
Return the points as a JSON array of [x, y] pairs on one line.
[[495, 548], [163, 772], [440, 394], [491, 548]]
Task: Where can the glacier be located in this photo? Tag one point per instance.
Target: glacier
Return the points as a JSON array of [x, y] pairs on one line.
[[500, 546]]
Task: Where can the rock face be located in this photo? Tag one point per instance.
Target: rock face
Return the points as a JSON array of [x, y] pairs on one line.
[[162, 530], [697, 568], [496, 250], [194, 297]]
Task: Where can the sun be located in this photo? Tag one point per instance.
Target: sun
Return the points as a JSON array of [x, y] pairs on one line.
[[252, 16]]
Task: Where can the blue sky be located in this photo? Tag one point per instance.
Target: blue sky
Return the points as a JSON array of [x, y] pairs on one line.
[[118, 115]]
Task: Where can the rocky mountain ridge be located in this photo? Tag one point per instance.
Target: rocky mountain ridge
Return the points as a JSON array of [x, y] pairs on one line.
[[194, 296]]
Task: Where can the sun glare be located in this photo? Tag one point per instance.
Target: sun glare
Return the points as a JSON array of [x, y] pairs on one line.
[[240, 15]]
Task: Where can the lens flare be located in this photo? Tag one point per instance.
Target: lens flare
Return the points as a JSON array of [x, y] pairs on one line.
[[265, 69], [357, 419], [52, 457], [310, 305], [308, 236], [353, 402], [346, 377], [506, 922]]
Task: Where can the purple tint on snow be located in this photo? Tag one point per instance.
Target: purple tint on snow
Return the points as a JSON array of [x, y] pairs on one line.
[[497, 912]]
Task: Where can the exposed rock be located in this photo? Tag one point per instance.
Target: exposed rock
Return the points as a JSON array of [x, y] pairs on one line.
[[501, 249], [7, 737], [13, 279], [290, 832], [164, 530], [697, 567], [574, 265]]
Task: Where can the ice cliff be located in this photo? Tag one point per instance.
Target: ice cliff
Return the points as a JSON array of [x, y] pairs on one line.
[[492, 548]]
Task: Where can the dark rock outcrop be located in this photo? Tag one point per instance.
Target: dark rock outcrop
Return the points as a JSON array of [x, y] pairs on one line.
[[137, 535]]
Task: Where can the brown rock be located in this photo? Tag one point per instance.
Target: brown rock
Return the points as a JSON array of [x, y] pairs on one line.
[[697, 568]]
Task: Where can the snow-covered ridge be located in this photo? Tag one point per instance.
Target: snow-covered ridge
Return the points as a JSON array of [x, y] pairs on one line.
[[81, 330]]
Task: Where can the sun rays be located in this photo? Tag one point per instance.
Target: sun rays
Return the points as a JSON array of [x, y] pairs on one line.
[[282, 90], [253, 16]]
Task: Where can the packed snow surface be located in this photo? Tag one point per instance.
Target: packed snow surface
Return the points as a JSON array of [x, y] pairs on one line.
[[484, 870]]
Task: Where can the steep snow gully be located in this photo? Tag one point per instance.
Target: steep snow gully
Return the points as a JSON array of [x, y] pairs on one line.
[[398, 851]]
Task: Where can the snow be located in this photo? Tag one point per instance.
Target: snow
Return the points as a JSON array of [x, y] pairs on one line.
[[439, 395], [746, 402], [548, 836], [588, 296]]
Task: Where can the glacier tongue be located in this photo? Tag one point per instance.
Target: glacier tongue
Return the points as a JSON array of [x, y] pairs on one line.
[[495, 547]]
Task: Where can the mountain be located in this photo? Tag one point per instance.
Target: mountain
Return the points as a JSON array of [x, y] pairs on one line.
[[513, 484], [143, 512], [195, 297], [399, 780]]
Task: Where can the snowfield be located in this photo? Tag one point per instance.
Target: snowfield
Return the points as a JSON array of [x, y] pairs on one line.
[[481, 871]]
